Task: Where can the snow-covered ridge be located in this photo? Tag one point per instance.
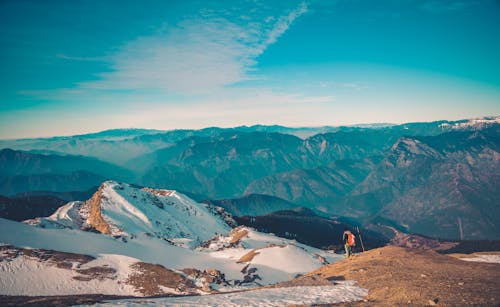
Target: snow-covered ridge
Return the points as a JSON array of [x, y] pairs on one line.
[[127, 212], [163, 230], [342, 292], [477, 123]]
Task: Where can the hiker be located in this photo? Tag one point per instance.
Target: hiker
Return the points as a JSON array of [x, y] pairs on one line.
[[349, 241]]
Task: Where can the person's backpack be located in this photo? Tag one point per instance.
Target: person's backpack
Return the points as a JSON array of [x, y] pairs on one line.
[[351, 239]]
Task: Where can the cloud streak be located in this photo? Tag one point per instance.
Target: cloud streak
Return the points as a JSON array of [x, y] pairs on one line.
[[443, 6], [198, 56]]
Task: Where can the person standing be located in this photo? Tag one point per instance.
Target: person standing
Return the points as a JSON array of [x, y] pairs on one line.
[[349, 240]]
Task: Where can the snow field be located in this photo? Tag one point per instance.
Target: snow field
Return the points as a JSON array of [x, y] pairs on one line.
[[483, 258], [160, 227], [28, 276], [342, 292]]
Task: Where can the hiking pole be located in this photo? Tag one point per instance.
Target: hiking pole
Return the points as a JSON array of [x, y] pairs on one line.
[[360, 239]]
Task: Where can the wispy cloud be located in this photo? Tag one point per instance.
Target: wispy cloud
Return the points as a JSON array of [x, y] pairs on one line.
[[197, 56], [442, 6], [64, 56]]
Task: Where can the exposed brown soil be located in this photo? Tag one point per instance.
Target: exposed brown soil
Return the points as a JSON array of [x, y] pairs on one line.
[[97, 272], [59, 259], [398, 276], [248, 256], [148, 278], [95, 218], [237, 234], [415, 241], [254, 252]]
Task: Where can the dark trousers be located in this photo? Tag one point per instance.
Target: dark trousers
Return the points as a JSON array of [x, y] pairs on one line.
[[348, 251]]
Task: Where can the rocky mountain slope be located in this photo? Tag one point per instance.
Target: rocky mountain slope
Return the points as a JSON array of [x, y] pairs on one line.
[[316, 187], [224, 164], [126, 212], [443, 186]]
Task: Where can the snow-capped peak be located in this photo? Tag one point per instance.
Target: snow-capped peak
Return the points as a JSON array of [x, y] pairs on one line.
[[475, 123], [124, 211]]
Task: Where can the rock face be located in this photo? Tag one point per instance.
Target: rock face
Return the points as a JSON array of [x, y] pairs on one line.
[[95, 219]]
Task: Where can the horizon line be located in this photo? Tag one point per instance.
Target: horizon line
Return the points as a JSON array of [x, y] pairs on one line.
[[359, 125]]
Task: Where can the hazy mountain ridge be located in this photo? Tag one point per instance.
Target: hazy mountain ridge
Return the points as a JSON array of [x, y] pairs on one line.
[[22, 171], [121, 145], [353, 171], [66, 182], [238, 158], [224, 166]]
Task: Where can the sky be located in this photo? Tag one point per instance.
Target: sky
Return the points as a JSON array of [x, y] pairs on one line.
[[71, 67]]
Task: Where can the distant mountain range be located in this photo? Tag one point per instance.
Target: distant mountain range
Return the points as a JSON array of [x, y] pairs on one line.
[[22, 171], [438, 179], [444, 186]]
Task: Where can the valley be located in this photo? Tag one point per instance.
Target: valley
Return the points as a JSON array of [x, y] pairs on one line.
[[231, 211]]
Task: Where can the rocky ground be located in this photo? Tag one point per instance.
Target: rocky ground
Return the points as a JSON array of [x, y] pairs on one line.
[[398, 276]]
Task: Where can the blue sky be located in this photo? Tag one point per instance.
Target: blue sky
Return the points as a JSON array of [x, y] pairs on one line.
[[69, 67]]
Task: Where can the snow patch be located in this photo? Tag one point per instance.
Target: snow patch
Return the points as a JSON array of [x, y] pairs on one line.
[[29, 276], [341, 293], [483, 258]]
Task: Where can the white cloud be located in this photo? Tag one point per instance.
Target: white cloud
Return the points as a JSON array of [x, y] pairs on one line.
[[284, 23], [198, 56]]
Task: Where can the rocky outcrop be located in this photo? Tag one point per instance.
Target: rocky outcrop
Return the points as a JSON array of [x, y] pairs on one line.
[[154, 279], [209, 278], [95, 219]]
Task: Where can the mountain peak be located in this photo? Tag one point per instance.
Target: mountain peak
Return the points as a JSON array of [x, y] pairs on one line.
[[413, 146], [475, 123], [127, 212]]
